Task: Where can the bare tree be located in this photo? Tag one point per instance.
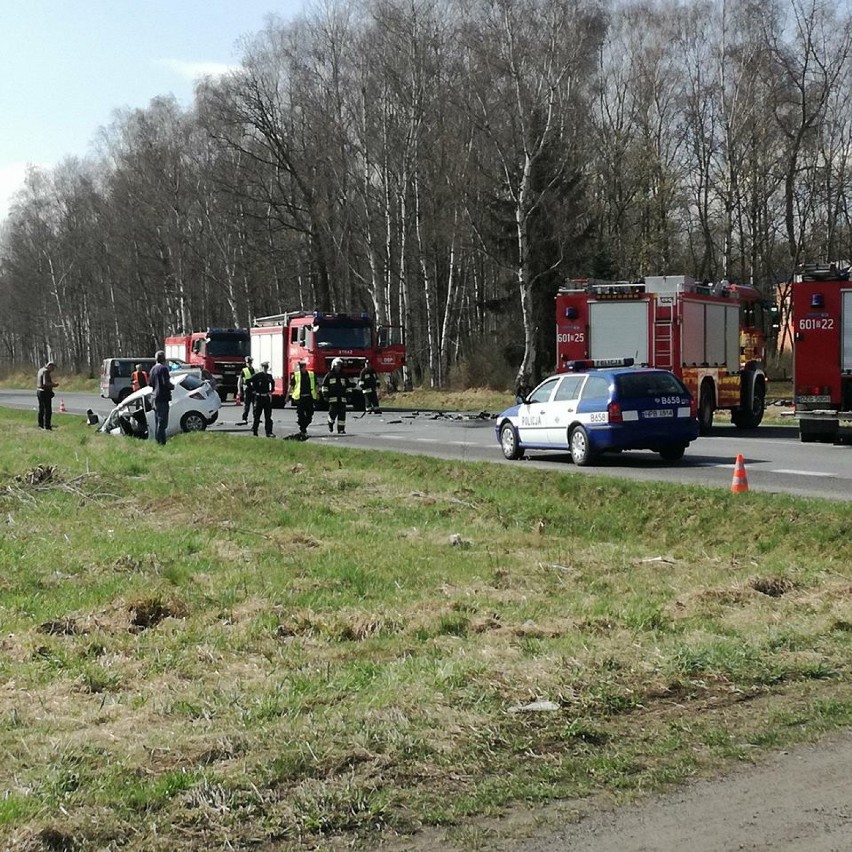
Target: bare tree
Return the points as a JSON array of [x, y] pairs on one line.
[[526, 61]]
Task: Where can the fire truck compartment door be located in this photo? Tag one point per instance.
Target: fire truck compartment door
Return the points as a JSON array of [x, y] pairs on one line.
[[846, 340], [711, 334], [619, 330]]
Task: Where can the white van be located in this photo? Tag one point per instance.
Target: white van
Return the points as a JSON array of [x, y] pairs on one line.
[[116, 375]]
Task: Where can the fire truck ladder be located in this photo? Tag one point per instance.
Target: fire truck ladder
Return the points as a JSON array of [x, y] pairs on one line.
[[664, 333]]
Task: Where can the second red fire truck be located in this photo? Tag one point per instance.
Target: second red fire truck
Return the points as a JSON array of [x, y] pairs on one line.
[[821, 314], [318, 338], [712, 337]]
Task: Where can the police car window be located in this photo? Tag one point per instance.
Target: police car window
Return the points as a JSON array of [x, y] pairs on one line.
[[596, 388], [569, 388], [648, 384], [543, 391]]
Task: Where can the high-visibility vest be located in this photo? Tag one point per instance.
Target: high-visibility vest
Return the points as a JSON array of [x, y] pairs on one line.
[[297, 384], [138, 379], [246, 373]]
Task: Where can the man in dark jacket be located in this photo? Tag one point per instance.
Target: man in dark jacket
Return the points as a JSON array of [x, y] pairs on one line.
[[334, 392], [161, 395], [262, 384], [44, 394]]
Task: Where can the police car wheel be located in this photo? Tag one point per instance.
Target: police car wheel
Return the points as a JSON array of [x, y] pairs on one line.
[[509, 442], [578, 443], [673, 453], [193, 421]]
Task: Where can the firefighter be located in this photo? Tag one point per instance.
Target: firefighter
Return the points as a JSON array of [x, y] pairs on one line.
[[262, 385], [368, 381], [303, 391], [138, 378], [334, 392], [244, 391]]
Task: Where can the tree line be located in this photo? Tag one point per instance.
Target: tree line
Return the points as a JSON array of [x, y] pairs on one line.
[[444, 165]]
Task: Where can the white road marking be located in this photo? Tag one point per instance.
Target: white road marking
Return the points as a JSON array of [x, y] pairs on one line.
[[806, 473]]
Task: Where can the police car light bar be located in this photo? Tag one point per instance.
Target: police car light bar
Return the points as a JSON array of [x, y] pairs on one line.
[[592, 363]]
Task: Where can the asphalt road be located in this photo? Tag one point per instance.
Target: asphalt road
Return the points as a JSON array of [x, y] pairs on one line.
[[776, 461]]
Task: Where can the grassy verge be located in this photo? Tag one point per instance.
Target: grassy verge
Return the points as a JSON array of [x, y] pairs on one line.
[[264, 644], [67, 382]]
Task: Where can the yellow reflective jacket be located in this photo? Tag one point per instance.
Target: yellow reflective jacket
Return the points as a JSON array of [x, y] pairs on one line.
[[296, 383]]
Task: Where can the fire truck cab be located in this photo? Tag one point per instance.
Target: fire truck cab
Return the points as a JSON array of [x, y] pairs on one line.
[[821, 311], [318, 338], [221, 351], [712, 336]]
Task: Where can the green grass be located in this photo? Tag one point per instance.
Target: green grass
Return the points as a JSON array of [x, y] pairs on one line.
[[274, 644]]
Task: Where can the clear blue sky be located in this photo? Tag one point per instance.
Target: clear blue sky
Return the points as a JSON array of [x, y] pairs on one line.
[[66, 65]]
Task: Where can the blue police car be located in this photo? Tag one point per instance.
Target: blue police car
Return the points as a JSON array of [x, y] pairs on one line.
[[601, 406]]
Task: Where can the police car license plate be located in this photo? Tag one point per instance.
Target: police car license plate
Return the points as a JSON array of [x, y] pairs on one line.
[[658, 412]]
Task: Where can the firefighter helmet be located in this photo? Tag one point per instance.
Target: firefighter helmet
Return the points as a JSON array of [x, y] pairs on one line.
[[337, 362]]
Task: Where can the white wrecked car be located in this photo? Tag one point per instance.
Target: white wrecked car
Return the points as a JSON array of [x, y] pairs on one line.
[[194, 407]]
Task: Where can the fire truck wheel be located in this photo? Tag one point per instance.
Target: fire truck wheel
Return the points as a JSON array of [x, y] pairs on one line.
[[581, 449], [509, 442], [743, 419], [673, 453], [193, 421], [705, 410]]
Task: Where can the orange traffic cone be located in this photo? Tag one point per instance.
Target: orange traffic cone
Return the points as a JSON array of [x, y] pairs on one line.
[[740, 482], [62, 406]]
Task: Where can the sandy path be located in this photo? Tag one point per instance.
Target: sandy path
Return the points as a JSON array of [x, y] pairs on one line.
[[797, 801]]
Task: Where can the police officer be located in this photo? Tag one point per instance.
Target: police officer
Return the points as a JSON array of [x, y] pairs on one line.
[[262, 384], [303, 391], [368, 381], [244, 391], [334, 391]]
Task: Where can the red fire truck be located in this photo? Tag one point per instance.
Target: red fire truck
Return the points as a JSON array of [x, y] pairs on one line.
[[821, 312], [318, 338], [221, 351], [712, 336]]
